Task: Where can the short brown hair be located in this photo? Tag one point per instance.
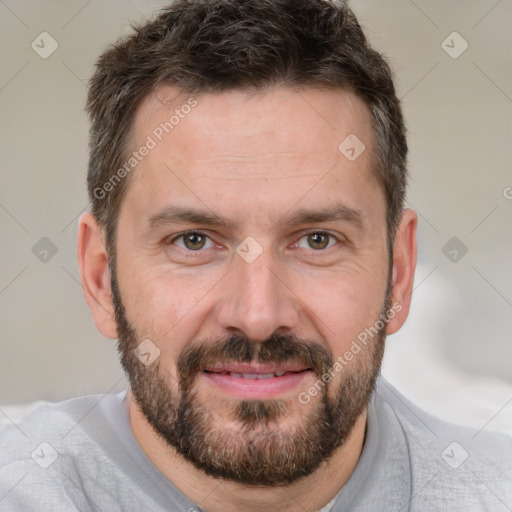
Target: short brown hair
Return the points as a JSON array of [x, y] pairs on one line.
[[203, 46]]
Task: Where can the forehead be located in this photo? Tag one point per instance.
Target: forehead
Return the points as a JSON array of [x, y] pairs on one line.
[[307, 122], [267, 147]]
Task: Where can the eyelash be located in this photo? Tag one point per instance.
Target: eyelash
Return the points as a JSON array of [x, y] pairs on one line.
[[201, 233]]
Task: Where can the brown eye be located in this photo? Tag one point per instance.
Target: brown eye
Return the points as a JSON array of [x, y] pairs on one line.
[[317, 241], [193, 241]]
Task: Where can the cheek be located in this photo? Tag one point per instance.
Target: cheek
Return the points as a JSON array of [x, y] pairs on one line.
[[167, 305], [342, 306]]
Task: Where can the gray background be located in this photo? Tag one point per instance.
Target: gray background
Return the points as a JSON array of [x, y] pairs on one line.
[[454, 355]]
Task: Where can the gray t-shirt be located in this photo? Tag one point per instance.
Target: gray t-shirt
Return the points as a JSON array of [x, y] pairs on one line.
[[80, 455]]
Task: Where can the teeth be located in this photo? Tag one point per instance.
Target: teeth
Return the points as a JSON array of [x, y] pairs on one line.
[[257, 376]]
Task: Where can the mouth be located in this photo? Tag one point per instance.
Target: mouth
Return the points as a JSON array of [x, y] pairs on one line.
[[251, 381], [258, 376]]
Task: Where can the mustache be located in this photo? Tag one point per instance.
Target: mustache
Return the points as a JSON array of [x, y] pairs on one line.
[[241, 349]]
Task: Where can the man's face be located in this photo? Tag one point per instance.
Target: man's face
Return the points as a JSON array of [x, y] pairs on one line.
[[252, 252]]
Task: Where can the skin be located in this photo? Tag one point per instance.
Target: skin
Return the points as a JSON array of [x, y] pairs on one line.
[[251, 159]]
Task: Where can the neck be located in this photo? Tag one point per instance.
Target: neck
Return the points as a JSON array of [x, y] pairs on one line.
[[310, 493]]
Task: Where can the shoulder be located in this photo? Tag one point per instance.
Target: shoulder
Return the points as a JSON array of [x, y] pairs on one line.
[[472, 468], [38, 455], [59, 424]]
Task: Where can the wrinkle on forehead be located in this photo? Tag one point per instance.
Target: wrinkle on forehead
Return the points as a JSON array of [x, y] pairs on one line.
[[240, 177], [232, 145], [261, 166], [252, 158]]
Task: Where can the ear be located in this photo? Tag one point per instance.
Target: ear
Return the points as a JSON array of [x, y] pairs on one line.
[[95, 274], [404, 264]]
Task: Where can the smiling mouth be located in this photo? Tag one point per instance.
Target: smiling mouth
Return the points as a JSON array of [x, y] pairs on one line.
[[257, 381], [256, 376]]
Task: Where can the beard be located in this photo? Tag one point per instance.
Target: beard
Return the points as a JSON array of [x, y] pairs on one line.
[[260, 451]]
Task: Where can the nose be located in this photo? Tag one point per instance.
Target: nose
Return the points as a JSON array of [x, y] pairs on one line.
[[257, 301]]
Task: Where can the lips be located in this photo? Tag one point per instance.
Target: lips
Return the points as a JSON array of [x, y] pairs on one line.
[[256, 375], [246, 375], [256, 380], [256, 371]]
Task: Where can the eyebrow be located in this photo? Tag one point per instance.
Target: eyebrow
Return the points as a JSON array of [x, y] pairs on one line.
[[338, 212], [181, 215], [178, 214]]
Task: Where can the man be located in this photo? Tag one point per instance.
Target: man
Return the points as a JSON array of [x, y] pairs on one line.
[[248, 246]]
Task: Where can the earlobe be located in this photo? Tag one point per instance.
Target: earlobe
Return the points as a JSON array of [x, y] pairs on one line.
[[95, 274], [404, 265]]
